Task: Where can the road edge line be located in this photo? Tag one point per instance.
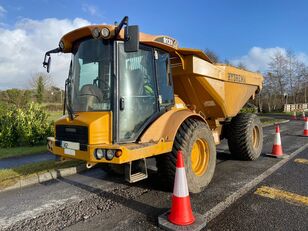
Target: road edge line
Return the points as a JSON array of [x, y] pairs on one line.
[[271, 124], [221, 206]]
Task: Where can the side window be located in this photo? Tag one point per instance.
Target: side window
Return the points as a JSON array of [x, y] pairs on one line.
[[164, 80]]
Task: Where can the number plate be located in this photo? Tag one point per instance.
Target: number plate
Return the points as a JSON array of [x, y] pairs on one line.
[[69, 152], [70, 145]]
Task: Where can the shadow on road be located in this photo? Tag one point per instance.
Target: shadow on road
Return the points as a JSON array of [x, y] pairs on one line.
[[224, 156], [130, 203]]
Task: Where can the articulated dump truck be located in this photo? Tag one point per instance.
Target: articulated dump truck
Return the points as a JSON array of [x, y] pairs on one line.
[[130, 96]]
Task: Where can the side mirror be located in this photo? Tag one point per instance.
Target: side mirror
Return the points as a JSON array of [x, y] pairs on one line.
[[47, 61], [131, 37], [48, 64], [47, 58]]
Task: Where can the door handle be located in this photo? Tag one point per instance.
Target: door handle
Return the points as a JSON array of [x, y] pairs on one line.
[[122, 104]]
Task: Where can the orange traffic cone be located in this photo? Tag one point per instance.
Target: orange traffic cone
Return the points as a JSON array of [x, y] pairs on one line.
[[306, 127], [293, 117], [303, 116], [277, 148], [181, 212]]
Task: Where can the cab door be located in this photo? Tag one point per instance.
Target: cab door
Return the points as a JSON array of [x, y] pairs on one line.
[[137, 92]]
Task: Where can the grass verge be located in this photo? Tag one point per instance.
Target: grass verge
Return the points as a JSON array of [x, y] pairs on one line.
[[269, 120], [8, 175], [21, 151], [54, 115]]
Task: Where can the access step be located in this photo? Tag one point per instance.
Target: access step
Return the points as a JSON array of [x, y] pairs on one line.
[[136, 171]]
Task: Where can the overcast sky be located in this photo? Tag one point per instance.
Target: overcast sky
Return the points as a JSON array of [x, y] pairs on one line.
[[239, 30]]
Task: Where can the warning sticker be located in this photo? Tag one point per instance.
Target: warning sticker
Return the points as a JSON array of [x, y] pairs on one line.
[[209, 103]]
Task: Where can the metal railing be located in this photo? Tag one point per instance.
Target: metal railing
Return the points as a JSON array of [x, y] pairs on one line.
[[295, 107]]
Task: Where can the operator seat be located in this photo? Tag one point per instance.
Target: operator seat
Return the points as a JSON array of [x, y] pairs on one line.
[[89, 95]]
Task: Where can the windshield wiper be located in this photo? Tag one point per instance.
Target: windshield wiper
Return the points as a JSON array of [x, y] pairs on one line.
[[67, 102]]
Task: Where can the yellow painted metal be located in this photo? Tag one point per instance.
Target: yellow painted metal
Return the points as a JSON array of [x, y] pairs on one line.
[[200, 157], [98, 123], [218, 91], [166, 126], [130, 152], [256, 137], [153, 40]]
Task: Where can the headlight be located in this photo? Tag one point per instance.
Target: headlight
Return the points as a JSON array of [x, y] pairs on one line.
[[95, 33], [105, 32], [110, 154], [99, 154]]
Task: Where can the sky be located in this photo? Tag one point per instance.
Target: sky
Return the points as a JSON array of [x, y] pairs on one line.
[[243, 31]]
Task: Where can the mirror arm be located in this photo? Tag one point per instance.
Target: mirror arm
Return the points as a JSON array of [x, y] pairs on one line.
[[47, 54], [119, 27]]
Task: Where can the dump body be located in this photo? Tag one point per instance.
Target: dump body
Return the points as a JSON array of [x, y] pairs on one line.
[[216, 91]]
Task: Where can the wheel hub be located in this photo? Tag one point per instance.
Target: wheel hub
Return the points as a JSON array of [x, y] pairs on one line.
[[200, 157], [255, 137]]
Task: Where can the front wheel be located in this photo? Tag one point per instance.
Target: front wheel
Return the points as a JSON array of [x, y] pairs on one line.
[[196, 141]]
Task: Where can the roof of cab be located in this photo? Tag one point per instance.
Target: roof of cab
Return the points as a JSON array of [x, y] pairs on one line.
[[160, 41]]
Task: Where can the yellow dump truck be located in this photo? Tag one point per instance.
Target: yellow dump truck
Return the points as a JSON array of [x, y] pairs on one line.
[[130, 96]]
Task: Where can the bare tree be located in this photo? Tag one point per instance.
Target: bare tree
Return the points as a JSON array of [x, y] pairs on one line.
[[212, 55], [241, 65], [285, 81], [277, 76]]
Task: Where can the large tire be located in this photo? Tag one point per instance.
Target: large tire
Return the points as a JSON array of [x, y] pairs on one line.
[[196, 141], [245, 136]]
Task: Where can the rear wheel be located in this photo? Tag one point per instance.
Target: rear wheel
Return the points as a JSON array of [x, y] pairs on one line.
[[196, 141], [245, 136]]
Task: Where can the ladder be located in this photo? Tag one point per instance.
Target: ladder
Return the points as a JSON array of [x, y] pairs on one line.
[[136, 171]]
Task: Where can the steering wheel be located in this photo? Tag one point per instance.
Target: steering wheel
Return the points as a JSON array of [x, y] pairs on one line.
[[87, 94], [91, 90]]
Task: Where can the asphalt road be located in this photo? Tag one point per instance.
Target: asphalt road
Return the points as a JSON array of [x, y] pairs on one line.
[[256, 212], [95, 200]]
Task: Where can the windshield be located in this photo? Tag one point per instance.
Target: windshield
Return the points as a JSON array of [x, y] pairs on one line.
[[90, 76]]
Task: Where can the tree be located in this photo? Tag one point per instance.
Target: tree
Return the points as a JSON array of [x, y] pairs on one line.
[[16, 97], [40, 82], [285, 81], [212, 55], [241, 65], [277, 76], [40, 90], [226, 61]]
